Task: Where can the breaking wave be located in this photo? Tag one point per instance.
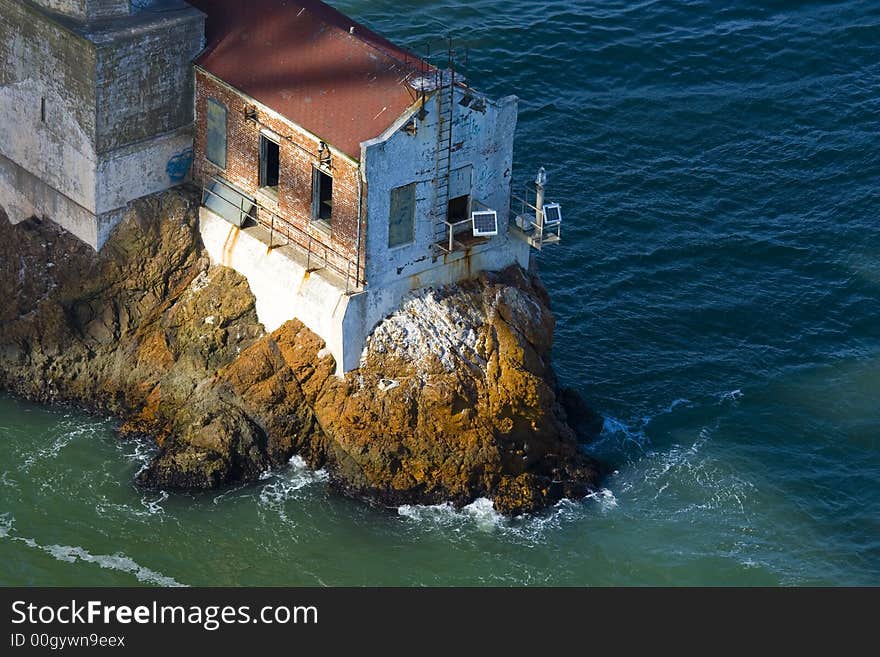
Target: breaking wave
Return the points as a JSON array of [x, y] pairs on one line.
[[481, 516], [286, 484]]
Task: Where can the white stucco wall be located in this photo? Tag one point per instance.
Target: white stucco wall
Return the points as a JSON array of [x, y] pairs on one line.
[[483, 140]]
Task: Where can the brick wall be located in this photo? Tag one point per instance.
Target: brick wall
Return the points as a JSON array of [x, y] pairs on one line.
[[298, 155]]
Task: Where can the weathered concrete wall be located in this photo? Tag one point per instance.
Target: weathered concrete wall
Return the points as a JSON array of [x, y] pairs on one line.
[[104, 8], [142, 168], [298, 155], [75, 8], [481, 140], [87, 9], [144, 78], [93, 114], [24, 195], [44, 65]]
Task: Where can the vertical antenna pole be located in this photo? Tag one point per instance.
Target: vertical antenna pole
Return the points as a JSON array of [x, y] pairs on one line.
[[540, 181]]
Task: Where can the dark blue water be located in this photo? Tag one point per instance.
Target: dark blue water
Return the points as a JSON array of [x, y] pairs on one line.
[[717, 297]]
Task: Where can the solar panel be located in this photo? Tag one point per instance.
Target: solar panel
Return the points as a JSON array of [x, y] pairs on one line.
[[552, 214], [485, 223]]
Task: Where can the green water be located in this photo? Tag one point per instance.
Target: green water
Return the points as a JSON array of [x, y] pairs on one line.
[[680, 515], [717, 299]]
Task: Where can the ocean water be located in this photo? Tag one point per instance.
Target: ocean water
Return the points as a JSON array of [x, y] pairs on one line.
[[717, 298]]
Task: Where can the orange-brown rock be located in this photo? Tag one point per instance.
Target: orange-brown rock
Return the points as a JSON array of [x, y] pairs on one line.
[[455, 398]]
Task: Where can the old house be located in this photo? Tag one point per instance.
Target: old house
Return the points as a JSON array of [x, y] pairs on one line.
[[364, 162], [339, 172]]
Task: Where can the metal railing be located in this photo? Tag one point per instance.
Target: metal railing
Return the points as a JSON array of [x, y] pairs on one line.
[[543, 233], [453, 228], [318, 254]]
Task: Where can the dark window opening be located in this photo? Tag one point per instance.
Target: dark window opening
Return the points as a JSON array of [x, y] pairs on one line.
[[270, 160], [457, 209], [43, 110], [322, 196]]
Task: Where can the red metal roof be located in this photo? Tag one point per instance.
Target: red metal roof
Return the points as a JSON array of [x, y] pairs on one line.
[[303, 60]]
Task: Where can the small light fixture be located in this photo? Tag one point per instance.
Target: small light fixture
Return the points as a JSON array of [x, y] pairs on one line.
[[324, 156], [541, 178]]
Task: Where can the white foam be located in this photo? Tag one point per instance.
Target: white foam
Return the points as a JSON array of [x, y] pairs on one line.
[[7, 481], [73, 554], [6, 524], [286, 484], [151, 506], [69, 430], [140, 452], [154, 505], [604, 498], [677, 402], [118, 562], [483, 512], [689, 476], [619, 434], [481, 516], [732, 396], [433, 512]]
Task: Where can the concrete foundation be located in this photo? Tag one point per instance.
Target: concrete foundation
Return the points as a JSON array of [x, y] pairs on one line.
[[284, 289], [280, 282]]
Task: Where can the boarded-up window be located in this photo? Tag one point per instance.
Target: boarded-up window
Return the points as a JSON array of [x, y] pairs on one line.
[[401, 221], [216, 141]]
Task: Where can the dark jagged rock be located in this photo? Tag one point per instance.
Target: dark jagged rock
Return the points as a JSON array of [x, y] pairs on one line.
[[149, 331]]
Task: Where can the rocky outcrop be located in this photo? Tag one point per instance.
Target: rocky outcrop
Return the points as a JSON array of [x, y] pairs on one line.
[[455, 397]]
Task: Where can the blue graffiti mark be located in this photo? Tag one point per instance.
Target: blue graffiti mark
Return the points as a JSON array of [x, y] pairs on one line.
[[178, 166]]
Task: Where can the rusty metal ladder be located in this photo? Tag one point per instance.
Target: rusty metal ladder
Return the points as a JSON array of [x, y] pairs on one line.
[[443, 153]]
